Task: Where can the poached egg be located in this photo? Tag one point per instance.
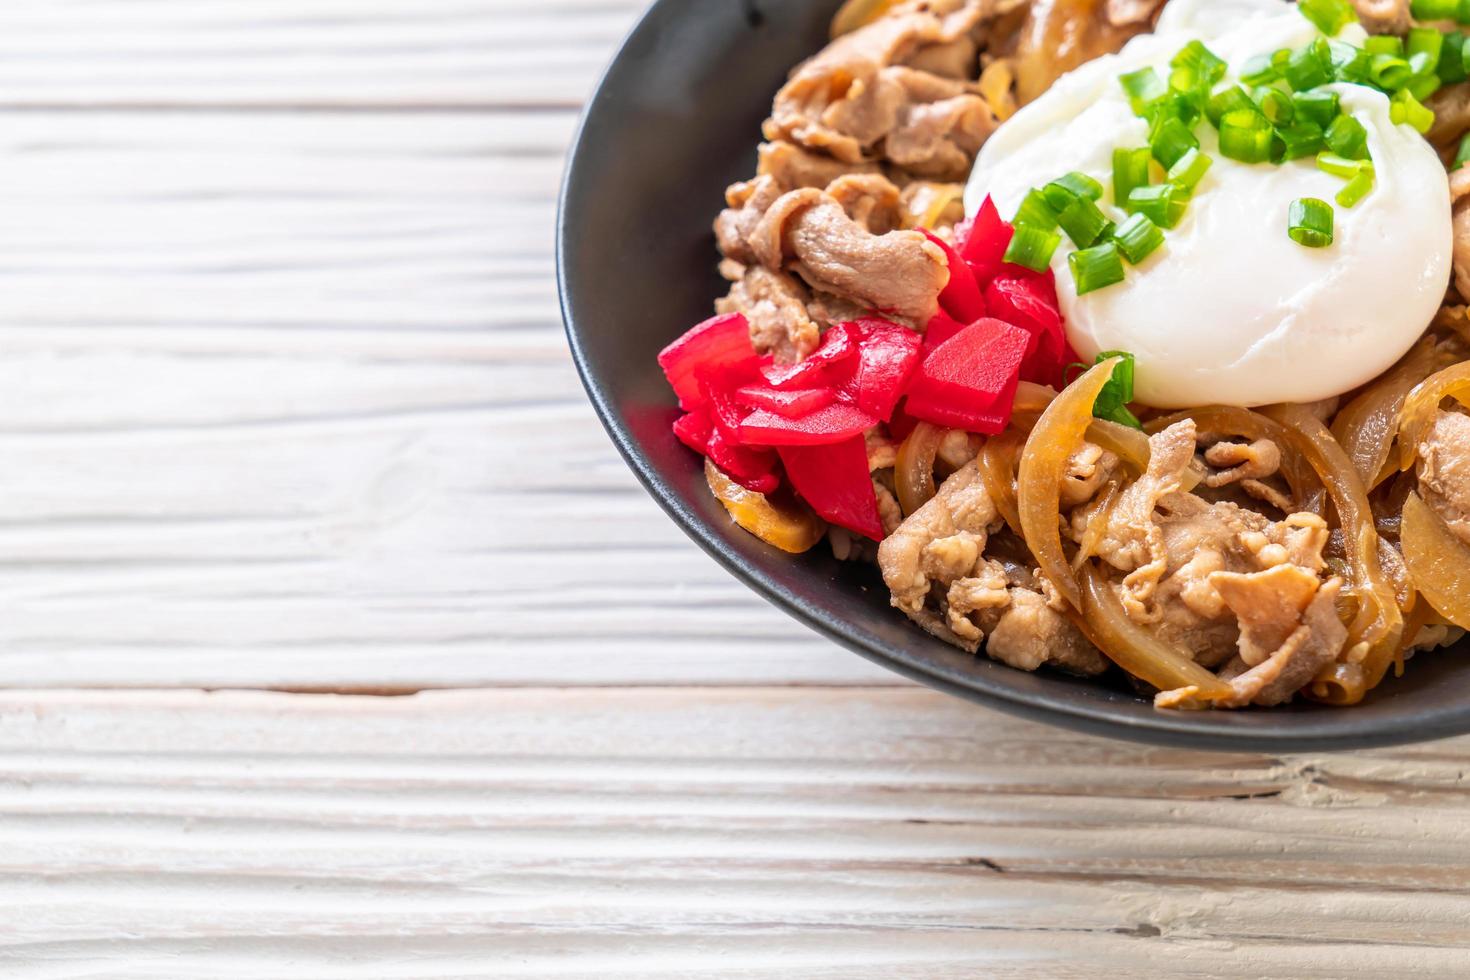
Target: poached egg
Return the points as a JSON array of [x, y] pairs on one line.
[[1231, 310]]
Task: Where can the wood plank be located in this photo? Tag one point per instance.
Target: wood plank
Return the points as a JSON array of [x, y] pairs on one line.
[[288, 405], [797, 833], [305, 53]]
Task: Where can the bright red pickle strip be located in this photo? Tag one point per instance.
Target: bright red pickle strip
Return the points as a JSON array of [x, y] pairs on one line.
[[941, 328], [753, 469], [961, 298], [969, 382], [835, 481], [888, 356], [984, 242], [827, 365], [791, 404], [718, 341], [693, 430], [825, 426]]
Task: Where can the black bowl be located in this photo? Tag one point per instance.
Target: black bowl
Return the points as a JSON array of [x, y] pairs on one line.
[[674, 120]]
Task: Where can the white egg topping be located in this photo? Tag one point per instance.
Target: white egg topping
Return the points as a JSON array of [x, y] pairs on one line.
[[1231, 310]]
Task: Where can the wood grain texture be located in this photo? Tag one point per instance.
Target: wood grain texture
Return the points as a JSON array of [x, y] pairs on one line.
[[772, 833], [284, 403]]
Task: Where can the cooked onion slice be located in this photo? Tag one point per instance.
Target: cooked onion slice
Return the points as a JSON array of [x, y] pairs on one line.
[[1439, 562], [1366, 426], [1129, 445], [791, 527], [998, 471], [1137, 650], [1057, 434], [1417, 416], [913, 476], [1378, 621]]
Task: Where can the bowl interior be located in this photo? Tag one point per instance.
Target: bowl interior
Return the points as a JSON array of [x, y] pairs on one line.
[[676, 119]]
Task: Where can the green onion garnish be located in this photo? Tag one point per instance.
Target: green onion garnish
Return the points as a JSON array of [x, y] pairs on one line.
[[1189, 170], [1032, 247], [1245, 135], [1170, 140], [1463, 156], [1451, 67], [1112, 401], [1434, 9], [1349, 62], [1426, 42], [1035, 212], [1463, 17], [1357, 188], [1310, 65], [1164, 204], [1259, 70], [1130, 171], [1423, 86], [1330, 16], [1097, 267], [1207, 66], [1347, 137], [1389, 71], [1317, 105], [1083, 222], [1144, 88], [1309, 223], [1138, 238], [1081, 185], [1275, 105], [1227, 100], [1384, 44], [1338, 166], [1301, 139], [1407, 109]]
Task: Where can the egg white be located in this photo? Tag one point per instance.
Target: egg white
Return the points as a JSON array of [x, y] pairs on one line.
[[1231, 310]]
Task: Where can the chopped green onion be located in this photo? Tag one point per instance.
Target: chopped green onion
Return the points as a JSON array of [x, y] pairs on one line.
[[1347, 137], [1463, 15], [1081, 185], [1164, 204], [1407, 109], [1227, 100], [1349, 62], [1357, 188], [1245, 136], [1339, 166], [1309, 223], [1422, 87], [1035, 212], [1317, 105], [1144, 88], [1130, 171], [1275, 105], [1170, 140], [1434, 9], [1451, 68], [1138, 238], [1096, 268], [1425, 41], [1259, 70], [1330, 16], [1384, 44], [1189, 170], [1310, 65], [1301, 139], [1083, 222], [1389, 71], [1112, 402], [1207, 65], [1032, 247], [1463, 156]]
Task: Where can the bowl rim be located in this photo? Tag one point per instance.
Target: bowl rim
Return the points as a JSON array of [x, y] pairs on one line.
[[1324, 731]]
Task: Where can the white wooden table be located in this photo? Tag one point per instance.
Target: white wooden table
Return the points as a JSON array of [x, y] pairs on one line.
[[285, 413]]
